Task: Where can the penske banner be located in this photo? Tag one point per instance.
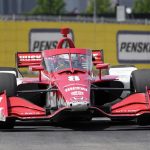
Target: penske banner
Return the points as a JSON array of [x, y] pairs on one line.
[[42, 39], [133, 46]]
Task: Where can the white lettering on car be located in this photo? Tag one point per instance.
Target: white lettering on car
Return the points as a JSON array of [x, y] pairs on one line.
[[29, 57], [77, 93], [75, 88], [73, 78]]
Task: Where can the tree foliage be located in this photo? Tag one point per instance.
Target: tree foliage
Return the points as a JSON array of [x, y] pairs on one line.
[[102, 6], [49, 7], [141, 6]]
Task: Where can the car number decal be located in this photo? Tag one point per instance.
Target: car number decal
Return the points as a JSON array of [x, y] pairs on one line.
[[73, 78]]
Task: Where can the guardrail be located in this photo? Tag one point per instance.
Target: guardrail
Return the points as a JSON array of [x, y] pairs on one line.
[[77, 18]]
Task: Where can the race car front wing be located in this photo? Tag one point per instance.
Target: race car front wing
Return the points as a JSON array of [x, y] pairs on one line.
[[135, 106]]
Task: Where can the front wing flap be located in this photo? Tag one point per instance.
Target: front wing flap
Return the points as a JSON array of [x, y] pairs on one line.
[[3, 106]]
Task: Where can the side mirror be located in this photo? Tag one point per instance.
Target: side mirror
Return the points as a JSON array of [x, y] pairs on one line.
[[36, 68], [102, 66]]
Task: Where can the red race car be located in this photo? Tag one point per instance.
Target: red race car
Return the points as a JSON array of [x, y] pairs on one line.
[[68, 89]]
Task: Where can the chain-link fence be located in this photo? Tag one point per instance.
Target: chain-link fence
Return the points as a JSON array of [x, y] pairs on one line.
[[77, 18]]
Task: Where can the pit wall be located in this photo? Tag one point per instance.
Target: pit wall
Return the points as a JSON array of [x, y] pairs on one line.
[[14, 36]]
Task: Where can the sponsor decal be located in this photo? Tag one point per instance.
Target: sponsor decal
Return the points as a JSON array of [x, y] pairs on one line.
[[77, 93], [133, 46], [126, 111], [29, 57], [42, 39], [78, 98], [73, 78], [77, 88], [30, 113], [97, 56]]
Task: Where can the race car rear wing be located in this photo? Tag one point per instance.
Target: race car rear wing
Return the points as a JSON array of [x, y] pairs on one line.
[[97, 57], [26, 59]]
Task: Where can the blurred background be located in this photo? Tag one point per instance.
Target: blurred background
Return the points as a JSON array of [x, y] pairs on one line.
[[120, 27]]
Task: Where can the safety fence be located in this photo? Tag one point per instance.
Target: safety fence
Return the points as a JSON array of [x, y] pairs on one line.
[[76, 18]]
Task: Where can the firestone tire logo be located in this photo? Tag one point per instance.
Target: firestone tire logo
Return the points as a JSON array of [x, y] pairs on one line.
[[42, 39]]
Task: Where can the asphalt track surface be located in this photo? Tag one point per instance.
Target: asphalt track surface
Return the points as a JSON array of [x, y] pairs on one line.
[[97, 135]]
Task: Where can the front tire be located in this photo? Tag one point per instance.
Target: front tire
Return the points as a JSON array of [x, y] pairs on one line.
[[8, 124]]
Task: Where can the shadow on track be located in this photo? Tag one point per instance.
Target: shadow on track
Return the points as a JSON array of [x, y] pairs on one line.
[[95, 125]]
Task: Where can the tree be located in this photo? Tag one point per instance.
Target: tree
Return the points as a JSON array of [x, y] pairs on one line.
[[141, 6], [49, 7], [102, 6]]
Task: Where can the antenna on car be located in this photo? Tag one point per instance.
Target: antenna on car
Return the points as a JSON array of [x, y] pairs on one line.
[[65, 32]]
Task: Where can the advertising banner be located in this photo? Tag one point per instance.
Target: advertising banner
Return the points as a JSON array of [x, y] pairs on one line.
[[42, 39], [133, 46]]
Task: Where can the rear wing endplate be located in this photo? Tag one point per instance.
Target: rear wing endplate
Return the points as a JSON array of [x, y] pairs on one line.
[[97, 57], [26, 59]]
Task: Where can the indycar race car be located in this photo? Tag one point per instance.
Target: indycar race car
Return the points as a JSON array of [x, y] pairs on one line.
[[68, 89]]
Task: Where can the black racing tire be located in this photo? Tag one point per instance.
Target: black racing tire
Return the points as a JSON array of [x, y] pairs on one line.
[[140, 79], [8, 124], [8, 82], [11, 69]]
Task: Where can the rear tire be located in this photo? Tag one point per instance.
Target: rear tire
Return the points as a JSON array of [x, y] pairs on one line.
[[8, 82], [11, 70], [140, 80]]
